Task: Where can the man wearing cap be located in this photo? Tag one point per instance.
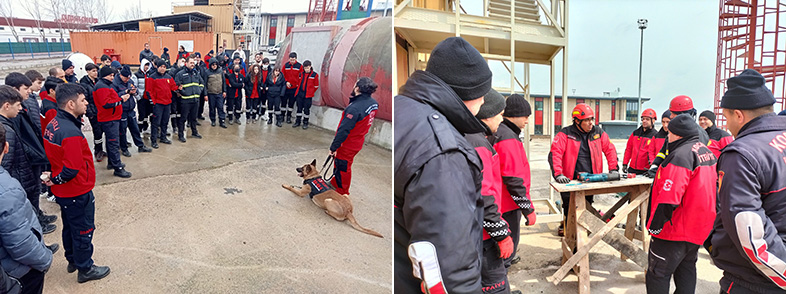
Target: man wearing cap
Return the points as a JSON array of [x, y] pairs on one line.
[[514, 169], [747, 241], [291, 71], [578, 148], [718, 138], [122, 84], [636, 159], [682, 209], [437, 173], [68, 68], [497, 243], [110, 111], [659, 138]]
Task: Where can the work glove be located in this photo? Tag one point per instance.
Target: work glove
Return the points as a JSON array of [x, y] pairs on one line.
[[505, 247], [625, 168], [562, 179], [652, 172], [530, 219]]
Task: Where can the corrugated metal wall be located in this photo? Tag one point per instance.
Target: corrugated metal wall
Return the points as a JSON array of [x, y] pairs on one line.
[[129, 44]]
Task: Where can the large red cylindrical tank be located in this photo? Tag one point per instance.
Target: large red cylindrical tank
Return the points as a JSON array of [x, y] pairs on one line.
[[359, 49]]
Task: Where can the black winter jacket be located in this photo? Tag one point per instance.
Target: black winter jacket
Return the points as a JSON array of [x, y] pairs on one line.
[[192, 83], [437, 183], [28, 127], [276, 89], [236, 84], [16, 161], [752, 196], [89, 84]]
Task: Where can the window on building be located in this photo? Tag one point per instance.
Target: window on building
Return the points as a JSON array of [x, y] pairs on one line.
[[613, 109], [597, 111], [539, 116], [273, 27], [579, 101], [290, 23], [558, 114], [632, 111]]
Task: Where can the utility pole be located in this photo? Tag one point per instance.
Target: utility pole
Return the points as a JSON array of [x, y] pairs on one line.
[[642, 25]]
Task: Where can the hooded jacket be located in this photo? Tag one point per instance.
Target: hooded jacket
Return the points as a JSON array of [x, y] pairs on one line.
[[27, 125], [21, 236], [514, 169], [565, 151], [719, 138], [17, 162], [139, 80], [214, 83], [750, 227], [437, 184], [682, 201], [638, 149]]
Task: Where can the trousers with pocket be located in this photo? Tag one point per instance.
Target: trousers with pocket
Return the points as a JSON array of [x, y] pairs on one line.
[[671, 258], [78, 215], [493, 274]]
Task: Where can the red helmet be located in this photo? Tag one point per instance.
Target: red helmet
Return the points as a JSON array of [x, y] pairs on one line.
[[681, 103], [582, 111], [649, 112]]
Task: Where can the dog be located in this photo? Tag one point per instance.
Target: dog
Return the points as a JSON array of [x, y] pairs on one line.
[[324, 196]]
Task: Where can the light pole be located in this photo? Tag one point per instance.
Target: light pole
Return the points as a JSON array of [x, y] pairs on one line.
[[642, 25]]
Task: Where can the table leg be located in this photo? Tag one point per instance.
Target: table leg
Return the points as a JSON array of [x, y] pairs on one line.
[[643, 209], [570, 227], [581, 240], [630, 225]]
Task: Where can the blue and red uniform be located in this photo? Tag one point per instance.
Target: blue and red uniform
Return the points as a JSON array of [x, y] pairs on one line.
[[110, 110], [48, 109], [350, 135], [292, 75], [637, 151], [718, 139], [309, 83]]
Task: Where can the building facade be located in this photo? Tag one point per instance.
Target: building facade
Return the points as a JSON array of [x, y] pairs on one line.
[[607, 107]]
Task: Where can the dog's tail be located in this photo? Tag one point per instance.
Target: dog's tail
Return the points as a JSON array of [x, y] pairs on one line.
[[358, 227]]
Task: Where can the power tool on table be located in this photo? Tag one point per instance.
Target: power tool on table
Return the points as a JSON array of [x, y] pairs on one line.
[[604, 177]]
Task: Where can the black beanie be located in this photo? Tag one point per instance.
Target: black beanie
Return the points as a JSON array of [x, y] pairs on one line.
[[461, 66], [126, 71], [105, 71], [159, 62], [666, 114], [493, 104], [709, 115], [746, 91], [517, 106], [683, 125], [67, 64]]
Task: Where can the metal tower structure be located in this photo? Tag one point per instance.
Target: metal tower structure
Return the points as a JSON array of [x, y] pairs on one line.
[[321, 11], [751, 34]]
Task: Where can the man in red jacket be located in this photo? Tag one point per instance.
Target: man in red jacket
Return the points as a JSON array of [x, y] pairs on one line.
[[578, 148], [110, 109], [636, 159], [48, 102], [72, 180], [514, 169], [497, 243], [660, 137], [718, 137], [159, 86], [291, 71], [682, 209], [309, 83]]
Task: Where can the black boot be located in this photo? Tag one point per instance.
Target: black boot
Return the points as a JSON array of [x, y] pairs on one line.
[[122, 172], [289, 117], [297, 122], [154, 144], [270, 119], [230, 121], [305, 123], [279, 120], [221, 124], [95, 273], [195, 134], [237, 120], [181, 137]]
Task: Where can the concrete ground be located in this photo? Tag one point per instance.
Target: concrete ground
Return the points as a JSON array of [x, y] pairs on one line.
[[540, 247], [210, 216]]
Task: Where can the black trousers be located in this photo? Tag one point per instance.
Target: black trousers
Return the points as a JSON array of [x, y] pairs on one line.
[[128, 123], [32, 282], [513, 218], [252, 107], [234, 103], [288, 102], [78, 215], [201, 109], [112, 131], [160, 120], [215, 104], [145, 108], [34, 193], [733, 285], [175, 111], [671, 258], [188, 112], [566, 202], [493, 274], [98, 134], [303, 106], [273, 106]]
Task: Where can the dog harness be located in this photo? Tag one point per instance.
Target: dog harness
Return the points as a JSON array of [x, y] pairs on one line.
[[318, 185]]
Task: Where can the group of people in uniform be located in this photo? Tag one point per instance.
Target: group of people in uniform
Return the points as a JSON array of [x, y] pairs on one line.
[[460, 169]]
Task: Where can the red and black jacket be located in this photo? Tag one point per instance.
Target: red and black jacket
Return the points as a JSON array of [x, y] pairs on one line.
[[159, 88], [494, 226], [69, 154], [637, 151], [565, 151], [309, 84], [719, 139], [48, 109], [108, 103], [355, 123], [292, 74], [682, 202], [514, 169], [658, 140]]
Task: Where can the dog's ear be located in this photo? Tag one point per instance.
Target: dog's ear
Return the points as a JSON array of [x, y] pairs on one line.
[[314, 163]]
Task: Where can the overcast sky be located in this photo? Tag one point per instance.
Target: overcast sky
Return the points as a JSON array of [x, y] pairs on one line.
[[679, 54]]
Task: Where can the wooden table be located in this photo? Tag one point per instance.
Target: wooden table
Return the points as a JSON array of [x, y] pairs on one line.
[[583, 219]]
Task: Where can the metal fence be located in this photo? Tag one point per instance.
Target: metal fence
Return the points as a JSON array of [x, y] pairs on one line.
[[32, 49]]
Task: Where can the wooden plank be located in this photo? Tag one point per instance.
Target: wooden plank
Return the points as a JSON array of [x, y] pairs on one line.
[[570, 223], [616, 240], [583, 251], [643, 209], [630, 226], [616, 207], [581, 240], [639, 180]]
